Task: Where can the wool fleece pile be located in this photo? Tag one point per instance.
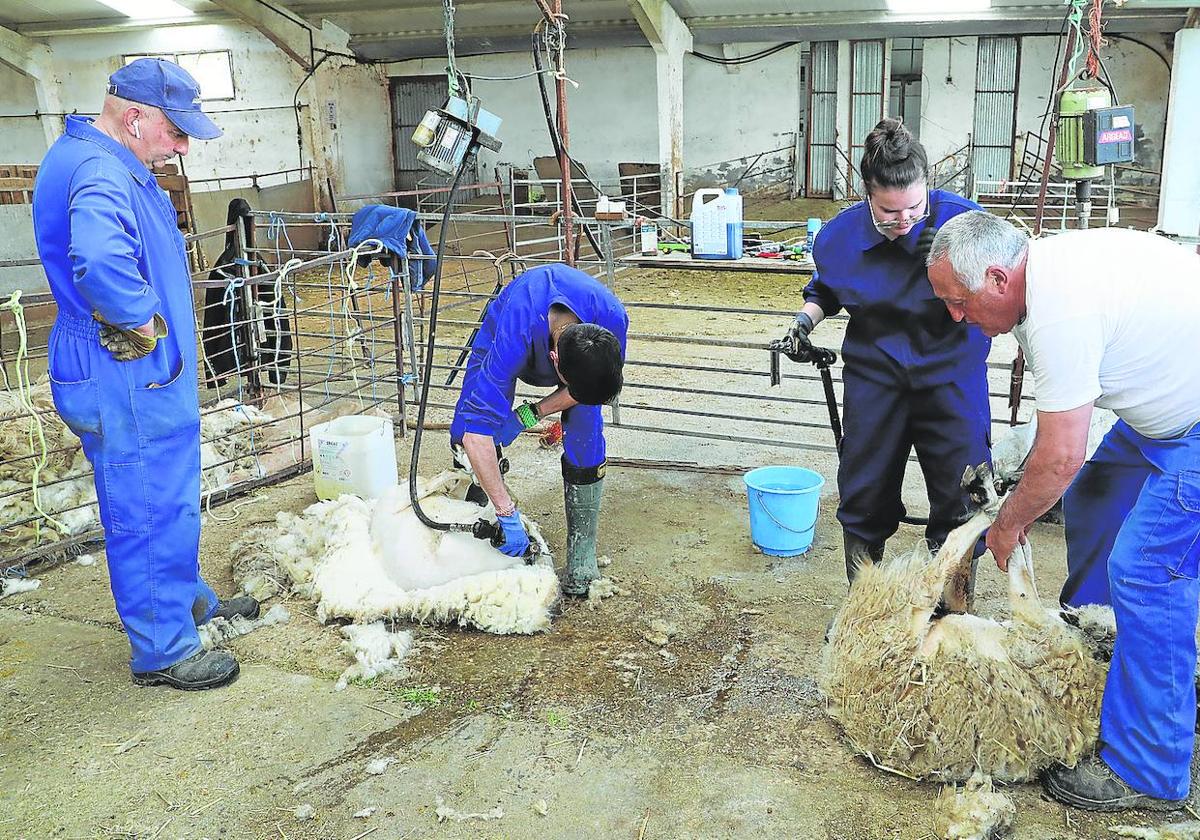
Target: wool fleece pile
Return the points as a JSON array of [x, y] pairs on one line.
[[371, 560]]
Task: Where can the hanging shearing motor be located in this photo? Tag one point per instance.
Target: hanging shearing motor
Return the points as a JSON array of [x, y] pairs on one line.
[[1091, 134], [446, 135]]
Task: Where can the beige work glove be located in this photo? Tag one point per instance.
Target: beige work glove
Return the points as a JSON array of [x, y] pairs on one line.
[[126, 345]]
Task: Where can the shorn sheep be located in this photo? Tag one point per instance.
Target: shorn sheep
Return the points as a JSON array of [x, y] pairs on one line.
[[943, 698]]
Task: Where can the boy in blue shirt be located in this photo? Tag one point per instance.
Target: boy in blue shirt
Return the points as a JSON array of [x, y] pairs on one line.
[[551, 326]]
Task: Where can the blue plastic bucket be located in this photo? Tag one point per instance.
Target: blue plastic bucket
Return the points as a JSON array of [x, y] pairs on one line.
[[783, 508]]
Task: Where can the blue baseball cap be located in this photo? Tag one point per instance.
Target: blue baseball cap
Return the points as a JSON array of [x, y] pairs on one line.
[[166, 85]]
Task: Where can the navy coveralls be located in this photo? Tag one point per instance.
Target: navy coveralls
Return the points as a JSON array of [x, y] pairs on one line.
[[109, 242], [912, 377], [513, 343]]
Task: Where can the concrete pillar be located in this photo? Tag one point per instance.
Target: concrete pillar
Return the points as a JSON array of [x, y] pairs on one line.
[[1179, 199], [35, 60], [671, 39]]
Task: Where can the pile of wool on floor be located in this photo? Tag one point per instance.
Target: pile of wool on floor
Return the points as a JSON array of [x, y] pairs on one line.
[[371, 560]]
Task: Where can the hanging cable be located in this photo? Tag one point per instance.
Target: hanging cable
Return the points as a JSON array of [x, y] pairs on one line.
[[746, 59], [427, 374]]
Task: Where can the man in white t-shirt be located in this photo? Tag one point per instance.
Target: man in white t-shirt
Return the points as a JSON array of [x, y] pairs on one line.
[[1107, 318]]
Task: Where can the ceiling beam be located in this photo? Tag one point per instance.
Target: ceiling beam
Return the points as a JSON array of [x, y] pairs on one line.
[[283, 28], [93, 26]]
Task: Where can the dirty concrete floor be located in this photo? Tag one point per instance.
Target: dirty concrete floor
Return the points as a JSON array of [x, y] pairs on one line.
[[718, 733], [589, 730]]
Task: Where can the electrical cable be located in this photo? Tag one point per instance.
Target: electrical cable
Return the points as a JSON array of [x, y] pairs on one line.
[[296, 106], [556, 141], [423, 401], [746, 59]]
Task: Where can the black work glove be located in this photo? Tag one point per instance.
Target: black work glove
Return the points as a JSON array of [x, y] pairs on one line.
[[126, 345], [796, 345], [925, 242]]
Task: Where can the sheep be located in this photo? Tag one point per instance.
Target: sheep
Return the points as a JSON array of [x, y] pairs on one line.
[[947, 697], [231, 434]]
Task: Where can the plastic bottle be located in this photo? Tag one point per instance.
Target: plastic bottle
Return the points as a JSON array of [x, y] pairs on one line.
[[648, 234], [814, 225], [717, 224]]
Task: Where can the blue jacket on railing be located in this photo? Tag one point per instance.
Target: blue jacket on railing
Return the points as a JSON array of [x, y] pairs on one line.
[[393, 226]]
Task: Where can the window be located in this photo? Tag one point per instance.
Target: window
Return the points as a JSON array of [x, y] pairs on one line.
[[213, 70], [904, 91]]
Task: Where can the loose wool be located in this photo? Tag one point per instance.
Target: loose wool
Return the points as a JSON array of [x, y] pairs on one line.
[[370, 560], [975, 811], [947, 697], [220, 630], [376, 650]]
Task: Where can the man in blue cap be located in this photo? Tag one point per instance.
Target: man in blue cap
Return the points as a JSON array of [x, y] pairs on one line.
[[122, 360], [553, 326]]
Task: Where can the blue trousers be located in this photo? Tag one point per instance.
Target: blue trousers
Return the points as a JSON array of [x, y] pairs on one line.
[[1133, 541], [950, 427], [139, 423]]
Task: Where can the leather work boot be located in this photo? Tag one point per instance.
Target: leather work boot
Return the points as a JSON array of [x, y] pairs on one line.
[[206, 669], [243, 605], [1093, 786], [583, 513], [859, 552]]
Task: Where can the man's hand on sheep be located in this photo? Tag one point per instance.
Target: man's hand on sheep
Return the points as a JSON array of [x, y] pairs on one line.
[[1002, 542]]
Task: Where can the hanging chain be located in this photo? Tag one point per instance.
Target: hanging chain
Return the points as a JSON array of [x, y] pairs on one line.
[[451, 67]]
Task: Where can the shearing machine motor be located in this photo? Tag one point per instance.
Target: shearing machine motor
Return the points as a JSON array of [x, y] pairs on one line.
[[1092, 133]]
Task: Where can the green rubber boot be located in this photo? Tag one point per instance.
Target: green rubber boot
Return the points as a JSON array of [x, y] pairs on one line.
[[583, 513]]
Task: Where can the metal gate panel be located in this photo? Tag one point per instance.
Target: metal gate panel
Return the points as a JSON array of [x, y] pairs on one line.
[[995, 108], [822, 119], [867, 90]]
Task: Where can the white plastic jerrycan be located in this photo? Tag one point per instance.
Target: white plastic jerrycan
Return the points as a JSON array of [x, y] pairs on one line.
[[353, 454], [717, 224]]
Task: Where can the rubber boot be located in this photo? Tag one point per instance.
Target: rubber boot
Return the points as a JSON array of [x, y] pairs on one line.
[[583, 513], [859, 553], [240, 605]]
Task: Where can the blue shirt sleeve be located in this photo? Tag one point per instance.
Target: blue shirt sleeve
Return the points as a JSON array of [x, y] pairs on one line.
[[489, 403], [104, 248]]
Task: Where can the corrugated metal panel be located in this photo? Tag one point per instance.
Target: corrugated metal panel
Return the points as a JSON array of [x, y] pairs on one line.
[[866, 97], [822, 126], [411, 98], [995, 101], [866, 57]]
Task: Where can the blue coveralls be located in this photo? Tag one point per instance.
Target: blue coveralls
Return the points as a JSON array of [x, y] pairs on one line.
[[107, 236], [912, 376], [1133, 541], [513, 343]]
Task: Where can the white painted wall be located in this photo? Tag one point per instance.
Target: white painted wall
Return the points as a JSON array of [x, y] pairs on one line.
[[1179, 210], [947, 94], [259, 124], [611, 116], [21, 138]]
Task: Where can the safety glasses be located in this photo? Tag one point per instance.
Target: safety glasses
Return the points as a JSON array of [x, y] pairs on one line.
[[892, 224]]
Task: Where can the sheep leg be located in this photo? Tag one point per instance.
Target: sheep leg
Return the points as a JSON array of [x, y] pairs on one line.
[[959, 543], [959, 593], [1022, 590]]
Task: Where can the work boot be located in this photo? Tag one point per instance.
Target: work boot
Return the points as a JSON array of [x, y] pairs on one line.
[[859, 553], [1093, 786], [583, 513], [242, 605], [206, 669]]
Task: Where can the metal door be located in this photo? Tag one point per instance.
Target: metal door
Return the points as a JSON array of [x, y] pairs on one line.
[[822, 119], [867, 90], [995, 108], [412, 96]]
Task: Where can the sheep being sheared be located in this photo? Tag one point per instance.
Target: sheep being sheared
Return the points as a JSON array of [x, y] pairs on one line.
[[944, 698], [367, 560]]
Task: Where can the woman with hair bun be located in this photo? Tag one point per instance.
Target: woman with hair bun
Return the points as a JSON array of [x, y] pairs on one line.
[[913, 377]]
